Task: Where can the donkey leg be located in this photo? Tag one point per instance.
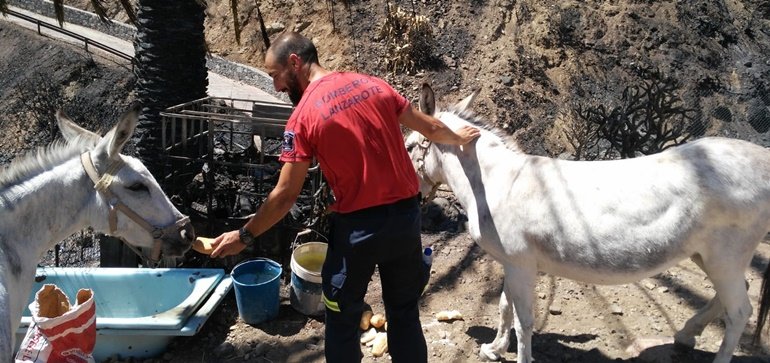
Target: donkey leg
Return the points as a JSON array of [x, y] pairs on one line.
[[7, 329], [6, 339], [519, 290], [737, 306], [494, 351], [525, 321], [695, 325]]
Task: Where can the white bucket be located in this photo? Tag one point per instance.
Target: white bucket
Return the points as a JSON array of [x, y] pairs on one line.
[[306, 262]]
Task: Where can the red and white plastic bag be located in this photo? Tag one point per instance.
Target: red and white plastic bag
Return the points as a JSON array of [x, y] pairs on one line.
[[60, 333]]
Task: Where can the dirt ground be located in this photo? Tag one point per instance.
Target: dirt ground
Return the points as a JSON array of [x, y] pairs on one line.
[[533, 56]]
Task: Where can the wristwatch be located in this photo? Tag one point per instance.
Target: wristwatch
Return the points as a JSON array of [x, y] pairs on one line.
[[246, 237]]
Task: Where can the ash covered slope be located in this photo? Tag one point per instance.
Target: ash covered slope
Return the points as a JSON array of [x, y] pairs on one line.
[[40, 75]]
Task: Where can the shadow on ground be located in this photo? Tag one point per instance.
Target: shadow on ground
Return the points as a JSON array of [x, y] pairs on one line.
[[555, 348]]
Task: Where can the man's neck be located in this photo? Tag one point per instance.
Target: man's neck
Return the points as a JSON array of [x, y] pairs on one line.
[[317, 72]]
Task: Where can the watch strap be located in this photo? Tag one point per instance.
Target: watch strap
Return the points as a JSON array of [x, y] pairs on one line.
[[246, 236]]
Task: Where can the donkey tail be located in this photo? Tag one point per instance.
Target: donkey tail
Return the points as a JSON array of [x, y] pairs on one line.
[[764, 305]]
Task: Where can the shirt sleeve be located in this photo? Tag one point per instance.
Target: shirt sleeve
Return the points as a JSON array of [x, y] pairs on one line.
[[295, 146], [400, 102]]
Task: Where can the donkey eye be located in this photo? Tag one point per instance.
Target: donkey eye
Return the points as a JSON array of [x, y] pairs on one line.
[[409, 148], [138, 187]]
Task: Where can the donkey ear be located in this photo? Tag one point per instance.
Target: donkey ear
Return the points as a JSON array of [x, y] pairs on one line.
[[427, 100], [71, 131], [114, 141], [466, 103], [122, 132]]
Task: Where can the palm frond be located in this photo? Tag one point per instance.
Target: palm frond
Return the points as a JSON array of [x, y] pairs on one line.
[[126, 4], [100, 11], [236, 24], [58, 8], [262, 28]]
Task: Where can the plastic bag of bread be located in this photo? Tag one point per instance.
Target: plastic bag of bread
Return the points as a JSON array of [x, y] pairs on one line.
[[60, 332]]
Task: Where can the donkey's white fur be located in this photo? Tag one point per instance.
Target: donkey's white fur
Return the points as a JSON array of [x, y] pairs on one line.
[[607, 222], [47, 196]]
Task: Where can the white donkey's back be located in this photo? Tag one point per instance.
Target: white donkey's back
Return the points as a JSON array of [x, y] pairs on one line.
[[619, 221]]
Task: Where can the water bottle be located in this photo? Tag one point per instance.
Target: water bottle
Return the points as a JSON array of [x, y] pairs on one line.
[[427, 261], [427, 256]]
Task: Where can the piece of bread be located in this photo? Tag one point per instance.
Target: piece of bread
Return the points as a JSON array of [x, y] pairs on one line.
[[449, 315], [203, 245], [365, 320], [51, 302], [377, 320]]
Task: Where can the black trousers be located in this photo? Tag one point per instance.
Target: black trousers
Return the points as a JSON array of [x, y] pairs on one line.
[[386, 236]]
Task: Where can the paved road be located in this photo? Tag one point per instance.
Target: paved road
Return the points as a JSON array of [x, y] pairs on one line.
[[219, 86]]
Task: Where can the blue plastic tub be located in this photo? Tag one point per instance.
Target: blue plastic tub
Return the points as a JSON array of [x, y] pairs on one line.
[[257, 283]]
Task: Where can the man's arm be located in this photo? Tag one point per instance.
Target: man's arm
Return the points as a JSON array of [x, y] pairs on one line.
[[275, 207], [435, 130]]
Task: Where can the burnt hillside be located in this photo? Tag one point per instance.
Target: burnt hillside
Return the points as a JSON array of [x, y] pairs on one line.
[[536, 62]]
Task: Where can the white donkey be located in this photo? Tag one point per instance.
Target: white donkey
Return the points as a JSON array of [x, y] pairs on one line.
[[57, 191], [606, 222]]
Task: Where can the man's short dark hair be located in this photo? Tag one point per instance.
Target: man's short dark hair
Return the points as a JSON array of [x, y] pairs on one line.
[[293, 42]]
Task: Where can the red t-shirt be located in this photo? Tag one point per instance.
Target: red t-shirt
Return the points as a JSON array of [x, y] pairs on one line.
[[349, 123]]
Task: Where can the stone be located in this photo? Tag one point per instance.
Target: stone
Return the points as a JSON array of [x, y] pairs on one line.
[[301, 26], [260, 349], [554, 309], [653, 350], [224, 349], [276, 27], [616, 310], [448, 61]]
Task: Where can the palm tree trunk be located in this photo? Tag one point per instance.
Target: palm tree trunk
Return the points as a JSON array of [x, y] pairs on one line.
[[171, 66]]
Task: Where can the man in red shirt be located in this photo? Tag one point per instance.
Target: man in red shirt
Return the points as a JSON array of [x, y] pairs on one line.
[[350, 122]]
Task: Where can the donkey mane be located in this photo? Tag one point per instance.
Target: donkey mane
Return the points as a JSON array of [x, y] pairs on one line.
[[43, 158], [466, 114]]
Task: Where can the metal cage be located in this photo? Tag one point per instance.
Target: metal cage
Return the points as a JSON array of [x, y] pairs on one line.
[[221, 160]]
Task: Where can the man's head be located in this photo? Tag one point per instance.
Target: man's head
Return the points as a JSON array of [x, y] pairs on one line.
[[288, 62]]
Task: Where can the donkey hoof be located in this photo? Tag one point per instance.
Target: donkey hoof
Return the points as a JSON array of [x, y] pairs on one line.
[[684, 343], [488, 354]]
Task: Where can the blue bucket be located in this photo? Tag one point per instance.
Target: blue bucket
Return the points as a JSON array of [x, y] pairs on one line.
[[256, 289]]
